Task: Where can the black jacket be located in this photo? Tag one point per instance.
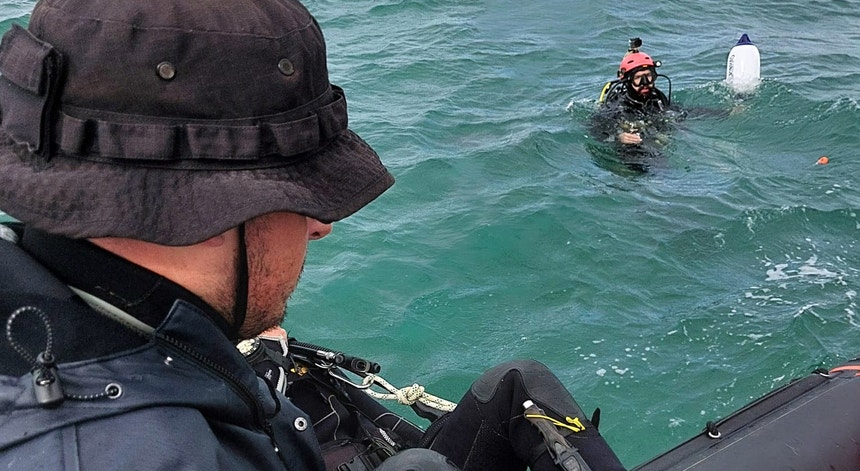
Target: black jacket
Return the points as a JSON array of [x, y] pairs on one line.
[[178, 397]]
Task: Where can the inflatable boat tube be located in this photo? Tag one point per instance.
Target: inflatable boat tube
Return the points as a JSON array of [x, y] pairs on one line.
[[812, 423]]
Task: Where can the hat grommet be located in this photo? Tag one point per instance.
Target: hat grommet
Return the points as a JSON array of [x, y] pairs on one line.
[[286, 67], [166, 70]]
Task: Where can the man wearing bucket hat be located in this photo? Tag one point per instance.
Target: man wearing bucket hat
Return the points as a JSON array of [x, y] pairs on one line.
[[167, 163], [198, 147]]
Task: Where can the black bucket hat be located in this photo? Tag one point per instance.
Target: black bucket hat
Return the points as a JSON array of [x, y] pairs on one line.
[[172, 121]]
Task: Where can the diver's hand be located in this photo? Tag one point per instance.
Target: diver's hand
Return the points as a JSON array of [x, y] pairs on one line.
[[629, 138]]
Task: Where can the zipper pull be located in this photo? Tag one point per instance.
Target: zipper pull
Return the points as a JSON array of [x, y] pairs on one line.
[[267, 427]]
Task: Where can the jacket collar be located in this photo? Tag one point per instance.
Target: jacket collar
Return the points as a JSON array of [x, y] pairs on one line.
[[145, 295]]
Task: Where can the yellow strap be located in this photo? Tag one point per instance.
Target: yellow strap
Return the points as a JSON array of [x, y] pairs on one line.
[[603, 92], [573, 424]]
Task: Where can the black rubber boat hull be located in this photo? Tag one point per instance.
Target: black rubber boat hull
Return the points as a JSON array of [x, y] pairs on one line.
[[810, 424]]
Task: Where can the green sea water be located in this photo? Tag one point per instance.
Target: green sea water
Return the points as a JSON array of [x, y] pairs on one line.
[[667, 298]]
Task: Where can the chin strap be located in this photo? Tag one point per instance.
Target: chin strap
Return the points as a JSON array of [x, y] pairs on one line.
[[240, 305]]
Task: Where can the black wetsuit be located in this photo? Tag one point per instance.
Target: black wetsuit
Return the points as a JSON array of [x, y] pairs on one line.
[[630, 102], [623, 110]]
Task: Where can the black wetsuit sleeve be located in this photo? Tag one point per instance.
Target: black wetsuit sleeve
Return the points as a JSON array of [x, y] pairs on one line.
[[603, 124]]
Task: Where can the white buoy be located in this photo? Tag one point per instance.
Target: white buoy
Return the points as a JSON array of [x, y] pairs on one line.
[[743, 66]]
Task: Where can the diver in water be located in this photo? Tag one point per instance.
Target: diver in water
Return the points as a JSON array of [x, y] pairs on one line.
[[633, 112]]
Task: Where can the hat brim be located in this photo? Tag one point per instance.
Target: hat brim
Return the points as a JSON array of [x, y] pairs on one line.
[[85, 199]]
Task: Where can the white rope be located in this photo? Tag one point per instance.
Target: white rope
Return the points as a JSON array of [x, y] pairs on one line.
[[407, 396]]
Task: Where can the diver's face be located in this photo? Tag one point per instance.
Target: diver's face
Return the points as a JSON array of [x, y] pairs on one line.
[[643, 80]]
